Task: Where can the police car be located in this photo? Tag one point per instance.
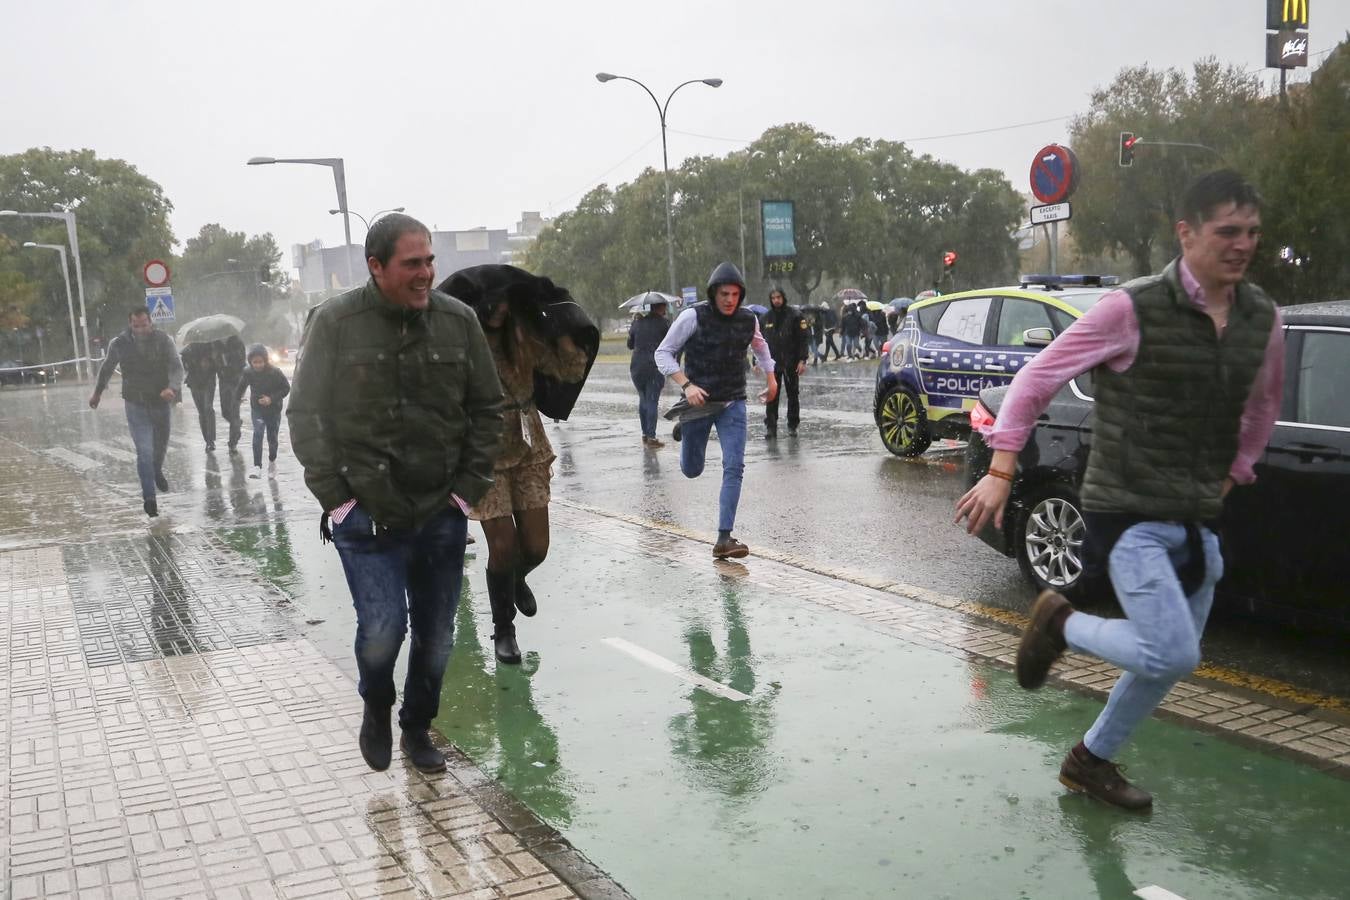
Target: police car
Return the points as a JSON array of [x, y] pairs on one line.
[[952, 346]]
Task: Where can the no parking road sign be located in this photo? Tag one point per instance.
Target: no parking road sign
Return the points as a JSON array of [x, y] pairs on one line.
[[159, 301], [1054, 173]]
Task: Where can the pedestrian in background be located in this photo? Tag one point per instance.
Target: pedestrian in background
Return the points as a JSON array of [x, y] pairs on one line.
[[1161, 463], [514, 511], [396, 417], [870, 344], [829, 323], [230, 362], [152, 380], [788, 335], [713, 336], [850, 323], [645, 334], [269, 387], [199, 374]]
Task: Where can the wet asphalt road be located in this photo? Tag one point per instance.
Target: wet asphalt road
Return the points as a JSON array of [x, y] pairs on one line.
[[832, 495]]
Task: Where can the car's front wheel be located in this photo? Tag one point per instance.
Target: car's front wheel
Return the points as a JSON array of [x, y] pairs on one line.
[[1049, 541], [903, 423]]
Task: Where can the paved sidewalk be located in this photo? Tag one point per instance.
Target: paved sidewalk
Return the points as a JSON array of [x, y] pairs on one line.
[[161, 748]]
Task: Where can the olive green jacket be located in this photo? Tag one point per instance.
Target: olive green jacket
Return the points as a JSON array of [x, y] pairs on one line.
[[398, 408]]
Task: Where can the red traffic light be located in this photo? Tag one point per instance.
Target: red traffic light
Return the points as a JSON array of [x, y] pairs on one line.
[[949, 259]]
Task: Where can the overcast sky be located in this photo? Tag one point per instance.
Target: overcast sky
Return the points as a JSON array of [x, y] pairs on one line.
[[468, 114]]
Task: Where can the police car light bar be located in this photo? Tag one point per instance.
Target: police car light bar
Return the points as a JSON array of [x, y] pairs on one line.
[[1054, 281]]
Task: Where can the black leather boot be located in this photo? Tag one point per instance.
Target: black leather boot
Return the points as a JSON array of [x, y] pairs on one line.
[[376, 737], [525, 601], [502, 596]]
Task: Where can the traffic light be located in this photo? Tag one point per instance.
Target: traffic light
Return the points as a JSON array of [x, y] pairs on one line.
[[948, 260], [1127, 142]]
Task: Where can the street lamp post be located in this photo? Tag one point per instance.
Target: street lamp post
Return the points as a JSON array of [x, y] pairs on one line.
[[340, 179], [71, 235], [80, 365], [603, 77], [364, 221]]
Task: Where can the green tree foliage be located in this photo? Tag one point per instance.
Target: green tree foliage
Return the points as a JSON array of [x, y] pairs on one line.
[[223, 271], [122, 219], [869, 212]]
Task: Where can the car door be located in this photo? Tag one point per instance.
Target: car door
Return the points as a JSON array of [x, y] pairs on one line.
[[950, 357], [1009, 352], [1285, 534]]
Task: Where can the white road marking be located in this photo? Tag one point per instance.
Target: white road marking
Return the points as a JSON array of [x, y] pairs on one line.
[[62, 455], [1153, 892], [116, 453], [661, 664]]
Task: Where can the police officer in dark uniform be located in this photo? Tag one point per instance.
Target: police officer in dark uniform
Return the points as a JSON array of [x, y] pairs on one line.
[[789, 336]]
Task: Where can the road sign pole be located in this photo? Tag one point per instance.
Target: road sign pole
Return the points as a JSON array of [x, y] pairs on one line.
[[1054, 248]]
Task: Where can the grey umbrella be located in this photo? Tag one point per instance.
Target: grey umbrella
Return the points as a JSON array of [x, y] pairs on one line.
[[216, 327], [649, 299]]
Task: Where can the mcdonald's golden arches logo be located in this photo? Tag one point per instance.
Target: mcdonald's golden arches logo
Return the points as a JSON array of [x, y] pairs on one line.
[[1284, 15]]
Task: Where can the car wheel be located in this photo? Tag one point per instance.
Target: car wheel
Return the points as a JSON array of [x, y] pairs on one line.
[[903, 423], [1049, 542]]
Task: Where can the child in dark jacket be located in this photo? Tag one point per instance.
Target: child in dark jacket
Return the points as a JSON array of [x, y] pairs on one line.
[[269, 388]]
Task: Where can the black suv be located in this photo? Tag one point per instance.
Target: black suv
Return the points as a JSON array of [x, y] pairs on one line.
[[1284, 536]]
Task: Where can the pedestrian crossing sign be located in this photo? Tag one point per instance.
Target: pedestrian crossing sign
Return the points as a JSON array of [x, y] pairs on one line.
[[159, 302]]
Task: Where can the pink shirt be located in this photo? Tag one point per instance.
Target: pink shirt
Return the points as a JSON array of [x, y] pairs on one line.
[[1108, 334]]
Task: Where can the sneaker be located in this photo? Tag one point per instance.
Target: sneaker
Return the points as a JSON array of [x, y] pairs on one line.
[[1042, 643], [730, 549], [151, 508], [421, 752], [256, 473], [161, 483], [210, 448], [675, 433], [652, 443], [1103, 780], [377, 738]]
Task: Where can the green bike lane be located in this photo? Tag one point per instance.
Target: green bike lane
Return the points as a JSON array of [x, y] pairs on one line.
[[697, 731]]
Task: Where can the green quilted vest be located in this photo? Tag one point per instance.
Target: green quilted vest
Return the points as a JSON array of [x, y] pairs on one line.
[[1166, 430]]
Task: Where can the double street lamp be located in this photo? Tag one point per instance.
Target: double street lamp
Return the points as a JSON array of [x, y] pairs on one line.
[[80, 364], [340, 179], [73, 238], [661, 109], [364, 220]]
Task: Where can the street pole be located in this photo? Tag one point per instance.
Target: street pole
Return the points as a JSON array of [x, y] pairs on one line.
[[740, 210], [340, 179], [1054, 248], [81, 366], [71, 235], [661, 110]]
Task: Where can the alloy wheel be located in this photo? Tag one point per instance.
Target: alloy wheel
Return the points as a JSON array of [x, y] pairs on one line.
[[1054, 541]]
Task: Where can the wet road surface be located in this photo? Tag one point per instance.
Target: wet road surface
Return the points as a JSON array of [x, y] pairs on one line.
[[702, 729]]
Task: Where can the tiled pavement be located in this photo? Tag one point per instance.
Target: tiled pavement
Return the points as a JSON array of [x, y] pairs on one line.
[[224, 764]]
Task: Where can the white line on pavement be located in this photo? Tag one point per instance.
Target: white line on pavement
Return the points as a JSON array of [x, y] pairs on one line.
[[661, 664], [61, 454], [101, 449], [1153, 892]]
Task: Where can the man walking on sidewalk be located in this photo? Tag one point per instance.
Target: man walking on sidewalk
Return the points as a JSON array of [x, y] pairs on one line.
[[152, 379], [788, 335], [714, 336], [396, 414], [1188, 375]]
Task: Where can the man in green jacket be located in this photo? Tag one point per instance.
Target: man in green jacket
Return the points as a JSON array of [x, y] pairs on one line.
[[396, 414]]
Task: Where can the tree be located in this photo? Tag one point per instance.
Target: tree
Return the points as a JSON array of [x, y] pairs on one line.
[[223, 271], [121, 215], [1133, 210]]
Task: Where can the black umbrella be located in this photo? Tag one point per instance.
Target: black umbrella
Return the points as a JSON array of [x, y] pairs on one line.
[[544, 307]]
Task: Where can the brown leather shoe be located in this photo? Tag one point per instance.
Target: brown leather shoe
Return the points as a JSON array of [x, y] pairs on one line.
[[730, 549], [652, 443], [1041, 643], [1103, 781]]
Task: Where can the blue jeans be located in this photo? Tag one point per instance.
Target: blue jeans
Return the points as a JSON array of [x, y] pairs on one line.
[[149, 426], [649, 385], [269, 422], [1159, 643], [398, 576], [731, 430]]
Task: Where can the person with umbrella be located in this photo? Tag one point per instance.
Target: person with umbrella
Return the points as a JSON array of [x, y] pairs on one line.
[[534, 328], [789, 335], [645, 334], [204, 353], [713, 336], [152, 379]]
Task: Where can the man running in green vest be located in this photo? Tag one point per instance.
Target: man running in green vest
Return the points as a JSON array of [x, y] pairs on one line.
[[1188, 372]]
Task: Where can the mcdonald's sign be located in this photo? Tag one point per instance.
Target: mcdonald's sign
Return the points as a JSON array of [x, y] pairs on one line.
[[1286, 15], [1287, 49]]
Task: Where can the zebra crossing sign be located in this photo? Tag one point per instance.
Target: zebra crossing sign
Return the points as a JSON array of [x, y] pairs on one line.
[[159, 301]]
